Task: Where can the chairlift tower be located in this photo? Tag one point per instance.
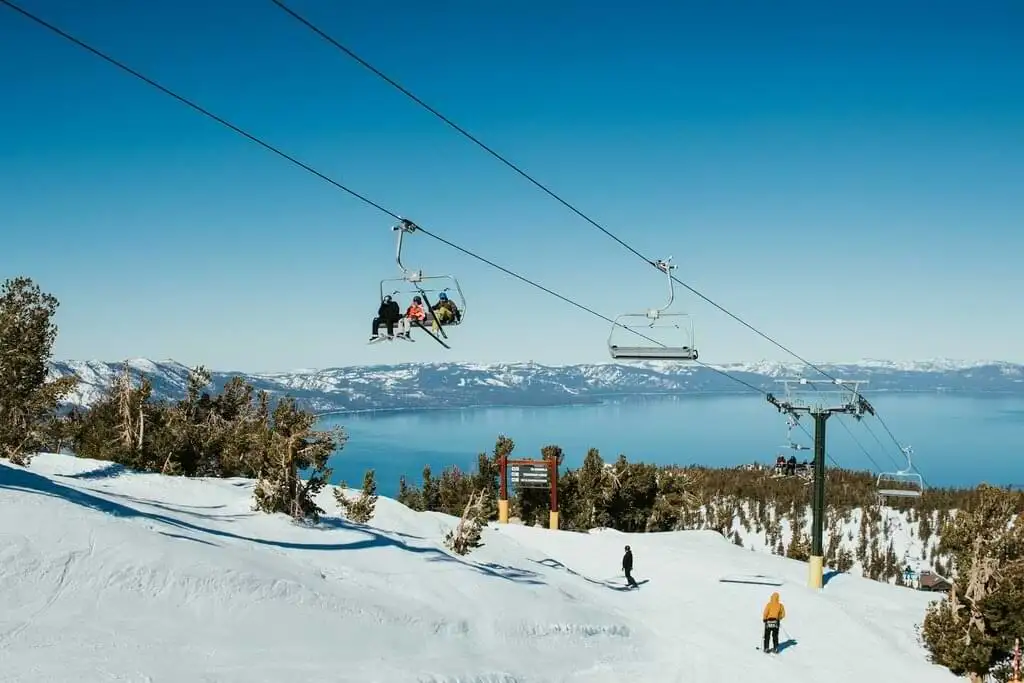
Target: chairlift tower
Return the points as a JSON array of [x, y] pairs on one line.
[[802, 396]]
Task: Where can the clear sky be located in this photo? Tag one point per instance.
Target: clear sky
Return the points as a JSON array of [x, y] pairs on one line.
[[846, 179]]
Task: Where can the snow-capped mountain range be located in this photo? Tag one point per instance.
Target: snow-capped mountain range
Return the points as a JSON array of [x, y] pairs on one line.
[[461, 385]]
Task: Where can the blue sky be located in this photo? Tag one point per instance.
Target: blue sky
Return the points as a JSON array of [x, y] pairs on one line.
[[847, 180]]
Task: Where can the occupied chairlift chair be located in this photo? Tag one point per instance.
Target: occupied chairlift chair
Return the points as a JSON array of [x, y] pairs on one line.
[[414, 282], [887, 482], [679, 348]]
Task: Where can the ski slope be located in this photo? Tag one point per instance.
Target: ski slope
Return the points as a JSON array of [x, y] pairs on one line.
[[114, 576]]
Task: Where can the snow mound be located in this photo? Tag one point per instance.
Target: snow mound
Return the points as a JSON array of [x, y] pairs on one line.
[[112, 575]]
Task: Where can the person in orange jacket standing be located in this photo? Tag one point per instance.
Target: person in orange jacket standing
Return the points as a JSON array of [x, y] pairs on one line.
[[774, 613]]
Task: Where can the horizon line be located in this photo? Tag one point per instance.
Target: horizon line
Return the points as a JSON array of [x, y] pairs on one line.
[[653, 364]]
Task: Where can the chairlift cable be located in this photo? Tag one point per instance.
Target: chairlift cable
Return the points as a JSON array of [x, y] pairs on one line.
[[284, 155], [305, 166], [193, 105], [880, 444], [405, 91], [859, 444], [903, 452]]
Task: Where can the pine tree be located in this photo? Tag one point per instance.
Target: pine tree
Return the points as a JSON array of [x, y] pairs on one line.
[[431, 491], [924, 529], [973, 630], [799, 547], [844, 560], [409, 496], [28, 399], [291, 445], [362, 508]]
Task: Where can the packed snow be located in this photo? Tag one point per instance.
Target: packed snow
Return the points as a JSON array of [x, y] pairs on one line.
[[116, 576]]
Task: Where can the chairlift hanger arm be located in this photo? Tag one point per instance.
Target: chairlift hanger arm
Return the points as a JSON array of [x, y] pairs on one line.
[[405, 225], [666, 267]]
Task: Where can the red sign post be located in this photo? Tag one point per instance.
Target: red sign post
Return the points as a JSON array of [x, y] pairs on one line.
[[528, 474]]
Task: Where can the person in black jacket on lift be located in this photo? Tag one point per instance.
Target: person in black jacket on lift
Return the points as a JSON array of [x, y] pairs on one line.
[[627, 567], [388, 314]]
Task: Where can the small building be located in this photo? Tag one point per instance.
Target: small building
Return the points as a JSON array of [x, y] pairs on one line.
[[932, 582]]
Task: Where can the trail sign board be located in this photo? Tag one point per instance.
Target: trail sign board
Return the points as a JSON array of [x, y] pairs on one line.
[[530, 476]]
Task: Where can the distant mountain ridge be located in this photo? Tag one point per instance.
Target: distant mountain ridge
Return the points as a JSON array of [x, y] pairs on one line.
[[413, 386]]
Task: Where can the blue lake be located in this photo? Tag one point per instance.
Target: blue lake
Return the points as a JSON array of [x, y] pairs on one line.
[[957, 441]]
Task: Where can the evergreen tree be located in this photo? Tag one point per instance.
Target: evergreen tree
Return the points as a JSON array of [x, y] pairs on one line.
[[409, 496], [799, 547], [973, 630], [292, 445], [431, 491], [28, 399], [362, 508]]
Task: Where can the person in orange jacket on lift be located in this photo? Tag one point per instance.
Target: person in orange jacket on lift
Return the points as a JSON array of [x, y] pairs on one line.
[[772, 616], [415, 311]]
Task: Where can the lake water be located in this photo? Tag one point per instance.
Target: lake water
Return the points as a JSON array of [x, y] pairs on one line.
[[957, 441]]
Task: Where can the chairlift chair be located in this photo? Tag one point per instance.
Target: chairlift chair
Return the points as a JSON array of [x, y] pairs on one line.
[[645, 327], [791, 422], [912, 481], [414, 283]]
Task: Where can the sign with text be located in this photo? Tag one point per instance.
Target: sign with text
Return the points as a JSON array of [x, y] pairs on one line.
[[530, 476]]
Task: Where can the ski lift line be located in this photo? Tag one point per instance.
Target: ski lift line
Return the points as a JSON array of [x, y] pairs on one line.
[[878, 468], [850, 432], [192, 105], [528, 281], [903, 453], [149, 81], [405, 91], [284, 155]]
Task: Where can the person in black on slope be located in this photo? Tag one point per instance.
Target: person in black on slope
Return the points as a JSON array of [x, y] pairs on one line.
[[389, 313], [627, 567]]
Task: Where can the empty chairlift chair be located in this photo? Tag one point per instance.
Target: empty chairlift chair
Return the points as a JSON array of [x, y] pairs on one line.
[[903, 483], [654, 334]]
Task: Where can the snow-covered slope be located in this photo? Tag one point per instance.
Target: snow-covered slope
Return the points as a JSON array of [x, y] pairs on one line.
[[451, 385], [111, 576]]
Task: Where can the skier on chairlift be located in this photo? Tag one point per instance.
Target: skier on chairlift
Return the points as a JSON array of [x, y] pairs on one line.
[[389, 314], [415, 310], [445, 310]]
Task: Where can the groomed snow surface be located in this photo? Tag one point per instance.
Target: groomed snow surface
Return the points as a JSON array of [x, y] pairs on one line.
[[113, 576]]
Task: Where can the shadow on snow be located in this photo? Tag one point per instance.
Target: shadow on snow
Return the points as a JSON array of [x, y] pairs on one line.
[[555, 564], [17, 479]]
